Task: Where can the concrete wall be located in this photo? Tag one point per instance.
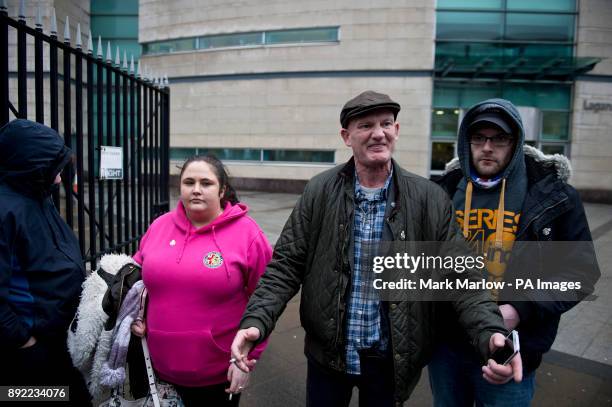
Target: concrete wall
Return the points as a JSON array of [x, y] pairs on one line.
[[391, 35], [294, 112], [591, 127]]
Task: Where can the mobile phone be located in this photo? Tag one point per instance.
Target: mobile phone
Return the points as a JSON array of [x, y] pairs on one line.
[[512, 346]]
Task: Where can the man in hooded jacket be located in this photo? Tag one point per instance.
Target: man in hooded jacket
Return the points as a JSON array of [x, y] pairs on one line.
[[41, 268], [496, 173]]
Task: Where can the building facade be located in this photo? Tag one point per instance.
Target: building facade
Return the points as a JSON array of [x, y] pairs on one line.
[[261, 84]]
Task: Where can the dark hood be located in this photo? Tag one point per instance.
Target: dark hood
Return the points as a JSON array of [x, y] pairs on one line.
[[31, 155], [504, 107]]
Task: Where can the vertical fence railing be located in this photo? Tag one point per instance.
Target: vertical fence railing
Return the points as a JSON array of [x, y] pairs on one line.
[[102, 104]]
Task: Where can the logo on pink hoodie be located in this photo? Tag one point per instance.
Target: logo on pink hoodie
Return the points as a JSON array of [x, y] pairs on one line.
[[212, 260]]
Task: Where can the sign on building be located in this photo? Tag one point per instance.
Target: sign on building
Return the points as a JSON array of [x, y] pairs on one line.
[[111, 162]]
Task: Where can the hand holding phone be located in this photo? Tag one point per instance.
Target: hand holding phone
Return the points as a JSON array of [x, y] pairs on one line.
[[511, 348]]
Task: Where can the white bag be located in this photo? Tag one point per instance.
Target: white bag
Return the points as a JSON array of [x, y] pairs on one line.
[[161, 394]]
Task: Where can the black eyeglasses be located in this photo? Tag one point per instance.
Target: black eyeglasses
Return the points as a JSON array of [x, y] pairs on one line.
[[499, 140]]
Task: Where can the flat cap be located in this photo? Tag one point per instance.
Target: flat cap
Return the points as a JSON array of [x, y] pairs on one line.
[[366, 102]]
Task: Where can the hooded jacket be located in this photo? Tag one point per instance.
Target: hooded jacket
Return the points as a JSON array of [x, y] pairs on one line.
[[41, 268], [550, 210], [199, 281]]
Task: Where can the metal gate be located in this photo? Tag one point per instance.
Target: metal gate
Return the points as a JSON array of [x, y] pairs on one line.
[[94, 103]]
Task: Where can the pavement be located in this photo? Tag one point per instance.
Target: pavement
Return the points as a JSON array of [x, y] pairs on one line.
[[576, 372]]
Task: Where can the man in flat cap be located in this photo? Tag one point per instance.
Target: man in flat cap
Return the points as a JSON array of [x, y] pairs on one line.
[[354, 339]]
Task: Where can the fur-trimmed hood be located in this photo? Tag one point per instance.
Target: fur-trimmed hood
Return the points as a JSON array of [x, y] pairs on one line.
[[86, 343], [558, 162]]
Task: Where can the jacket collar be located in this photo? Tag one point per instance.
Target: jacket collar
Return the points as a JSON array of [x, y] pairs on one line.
[[347, 174]]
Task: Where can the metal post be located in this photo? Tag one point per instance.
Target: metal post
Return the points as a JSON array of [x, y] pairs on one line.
[[151, 156], [145, 169], [117, 118], [126, 169], [151, 173], [91, 163], [156, 149], [133, 157], [22, 68], [137, 136], [68, 173], [39, 93], [4, 62], [166, 142], [53, 88], [78, 66], [100, 133], [109, 141]]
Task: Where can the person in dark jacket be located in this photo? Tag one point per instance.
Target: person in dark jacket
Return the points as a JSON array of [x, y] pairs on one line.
[[41, 269], [496, 173], [353, 339]]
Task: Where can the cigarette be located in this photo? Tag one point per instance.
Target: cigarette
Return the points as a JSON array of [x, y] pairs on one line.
[[230, 396]]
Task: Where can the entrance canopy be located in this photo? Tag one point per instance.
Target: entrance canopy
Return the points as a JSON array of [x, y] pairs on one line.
[[530, 68]]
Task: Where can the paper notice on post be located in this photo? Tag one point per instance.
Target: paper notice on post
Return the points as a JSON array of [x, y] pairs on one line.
[[111, 162]]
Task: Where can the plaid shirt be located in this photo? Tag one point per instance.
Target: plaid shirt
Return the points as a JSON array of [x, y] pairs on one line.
[[363, 320]]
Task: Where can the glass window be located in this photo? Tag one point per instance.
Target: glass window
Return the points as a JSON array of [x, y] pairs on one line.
[[181, 153], [115, 26], [472, 95], [555, 125], [471, 4], [305, 35], [542, 5], [553, 149], [445, 96], [114, 7], [540, 27], [441, 153], [475, 26], [468, 50], [453, 96], [444, 123], [302, 35], [545, 97], [230, 40], [233, 154], [299, 156], [163, 47], [513, 50]]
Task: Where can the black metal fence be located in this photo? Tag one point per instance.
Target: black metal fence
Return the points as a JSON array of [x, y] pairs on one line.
[[101, 104]]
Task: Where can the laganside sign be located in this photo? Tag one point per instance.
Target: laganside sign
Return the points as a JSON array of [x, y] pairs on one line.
[[597, 106]]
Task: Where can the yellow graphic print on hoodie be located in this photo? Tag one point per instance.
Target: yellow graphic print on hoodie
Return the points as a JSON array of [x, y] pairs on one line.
[[490, 234]]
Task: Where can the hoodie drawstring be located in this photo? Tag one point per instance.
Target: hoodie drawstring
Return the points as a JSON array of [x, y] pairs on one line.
[[468, 207], [214, 235], [187, 233], [499, 229]]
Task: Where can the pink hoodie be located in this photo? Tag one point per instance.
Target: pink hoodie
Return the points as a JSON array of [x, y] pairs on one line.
[[199, 282]]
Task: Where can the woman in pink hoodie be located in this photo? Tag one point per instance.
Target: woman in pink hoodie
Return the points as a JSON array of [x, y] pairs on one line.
[[200, 263]]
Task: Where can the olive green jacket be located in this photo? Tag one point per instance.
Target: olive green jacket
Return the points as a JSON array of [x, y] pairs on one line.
[[314, 252]]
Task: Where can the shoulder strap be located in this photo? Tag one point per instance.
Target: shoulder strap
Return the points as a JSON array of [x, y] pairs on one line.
[[150, 373]]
